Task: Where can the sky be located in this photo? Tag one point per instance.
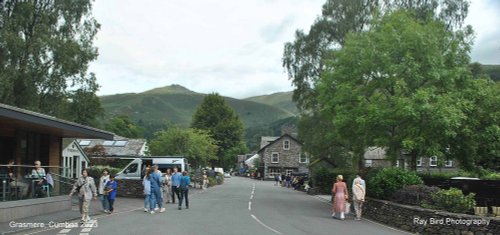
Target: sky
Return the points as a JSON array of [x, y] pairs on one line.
[[232, 47]]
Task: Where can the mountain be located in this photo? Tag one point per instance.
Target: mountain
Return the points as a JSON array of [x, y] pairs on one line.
[[151, 109], [493, 71], [281, 100]]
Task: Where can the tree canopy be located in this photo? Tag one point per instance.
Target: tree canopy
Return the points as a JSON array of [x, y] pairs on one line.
[[356, 95], [45, 51], [124, 126], [400, 85], [196, 145], [223, 125]]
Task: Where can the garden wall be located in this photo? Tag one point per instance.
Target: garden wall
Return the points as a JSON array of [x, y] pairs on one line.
[[426, 221], [129, 188]]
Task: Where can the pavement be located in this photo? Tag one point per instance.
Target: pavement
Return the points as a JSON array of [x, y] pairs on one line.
[[122, 204]]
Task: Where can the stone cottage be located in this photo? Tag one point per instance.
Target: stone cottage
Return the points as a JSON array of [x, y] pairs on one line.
[[282, 155]]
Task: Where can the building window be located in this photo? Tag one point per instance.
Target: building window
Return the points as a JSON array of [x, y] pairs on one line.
[[303, 158], [289, 171], [433, 161], [84, 142], [286, 144], [368, 163], [448, 163], [419, 162], [108, 143], [120, 143], [275, 157], [274, 171]]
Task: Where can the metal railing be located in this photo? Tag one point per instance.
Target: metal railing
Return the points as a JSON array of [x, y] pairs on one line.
[[21, 182]]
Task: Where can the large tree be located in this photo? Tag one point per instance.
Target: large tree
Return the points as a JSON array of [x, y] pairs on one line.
[[225, 127], [406, 85], [305, 59], [45, 51], [196, 145]]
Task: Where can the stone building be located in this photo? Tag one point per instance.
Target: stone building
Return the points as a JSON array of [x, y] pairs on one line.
[[282, 155], [376, 157]]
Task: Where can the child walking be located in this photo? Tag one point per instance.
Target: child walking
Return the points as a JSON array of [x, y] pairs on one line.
[[111, 192]]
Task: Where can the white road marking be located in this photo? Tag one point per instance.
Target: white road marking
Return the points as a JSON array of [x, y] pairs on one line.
[[264, 225], [249, 206], [66, 230], [251, 197], [86, 230]]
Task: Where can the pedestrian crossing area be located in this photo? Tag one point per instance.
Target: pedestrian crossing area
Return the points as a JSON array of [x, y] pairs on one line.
[[84, 228]]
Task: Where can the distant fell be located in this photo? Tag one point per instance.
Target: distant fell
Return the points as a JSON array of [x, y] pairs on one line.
[[281, 100], [176, 104], [492, 70], [172, 89]]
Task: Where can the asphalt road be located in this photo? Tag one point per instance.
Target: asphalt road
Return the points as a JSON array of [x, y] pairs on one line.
[[239, 206]]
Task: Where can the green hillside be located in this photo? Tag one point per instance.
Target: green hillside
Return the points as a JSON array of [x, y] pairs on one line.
[[177, 104], [493, 71], [281, 100]]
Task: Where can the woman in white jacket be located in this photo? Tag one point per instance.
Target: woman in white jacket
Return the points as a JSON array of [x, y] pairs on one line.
[[86, 189], [358, 192]]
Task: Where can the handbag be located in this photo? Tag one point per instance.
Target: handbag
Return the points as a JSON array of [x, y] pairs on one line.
[[347, 207]]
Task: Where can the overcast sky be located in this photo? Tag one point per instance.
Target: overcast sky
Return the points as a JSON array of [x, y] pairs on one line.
[[233, 47]]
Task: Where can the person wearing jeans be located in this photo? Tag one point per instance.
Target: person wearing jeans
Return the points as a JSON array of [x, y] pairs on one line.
[[155, 179], [175, 181], [147, 191], [102, 183], [184, 189]]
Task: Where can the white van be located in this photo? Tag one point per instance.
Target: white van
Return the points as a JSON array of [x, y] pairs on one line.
[[136, 168]]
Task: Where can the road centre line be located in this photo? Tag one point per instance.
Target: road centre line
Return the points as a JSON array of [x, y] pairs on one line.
[[264, 225], [249, 206]]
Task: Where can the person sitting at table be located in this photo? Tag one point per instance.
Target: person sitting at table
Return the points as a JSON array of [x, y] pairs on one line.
[[39, 173], [15, 180]]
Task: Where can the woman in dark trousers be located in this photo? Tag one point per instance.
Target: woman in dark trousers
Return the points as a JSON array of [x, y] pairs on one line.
[[184, 189]]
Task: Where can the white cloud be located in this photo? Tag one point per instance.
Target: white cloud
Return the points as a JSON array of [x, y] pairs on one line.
[[484, 16], [225, 46], [230, 47]]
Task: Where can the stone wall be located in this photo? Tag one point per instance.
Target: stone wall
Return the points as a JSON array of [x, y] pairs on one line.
[[426, 221], [12, 210], [129, 188]]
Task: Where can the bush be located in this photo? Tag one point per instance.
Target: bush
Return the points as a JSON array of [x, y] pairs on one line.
[[445, 175], [217, 180], [109, 161], [452, 200], [323, 178], [414, 195], [96, 171], [211, 182], [491, 176], [388, 180]]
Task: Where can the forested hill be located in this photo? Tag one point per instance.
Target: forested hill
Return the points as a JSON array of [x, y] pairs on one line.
[[281, 100], [493, 71], [177, 104]]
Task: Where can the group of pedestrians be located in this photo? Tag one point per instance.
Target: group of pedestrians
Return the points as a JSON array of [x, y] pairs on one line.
[[296, 182], [173, 185], [341, 197]]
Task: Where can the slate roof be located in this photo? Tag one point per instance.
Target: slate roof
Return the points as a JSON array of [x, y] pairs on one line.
[[118, 147]]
